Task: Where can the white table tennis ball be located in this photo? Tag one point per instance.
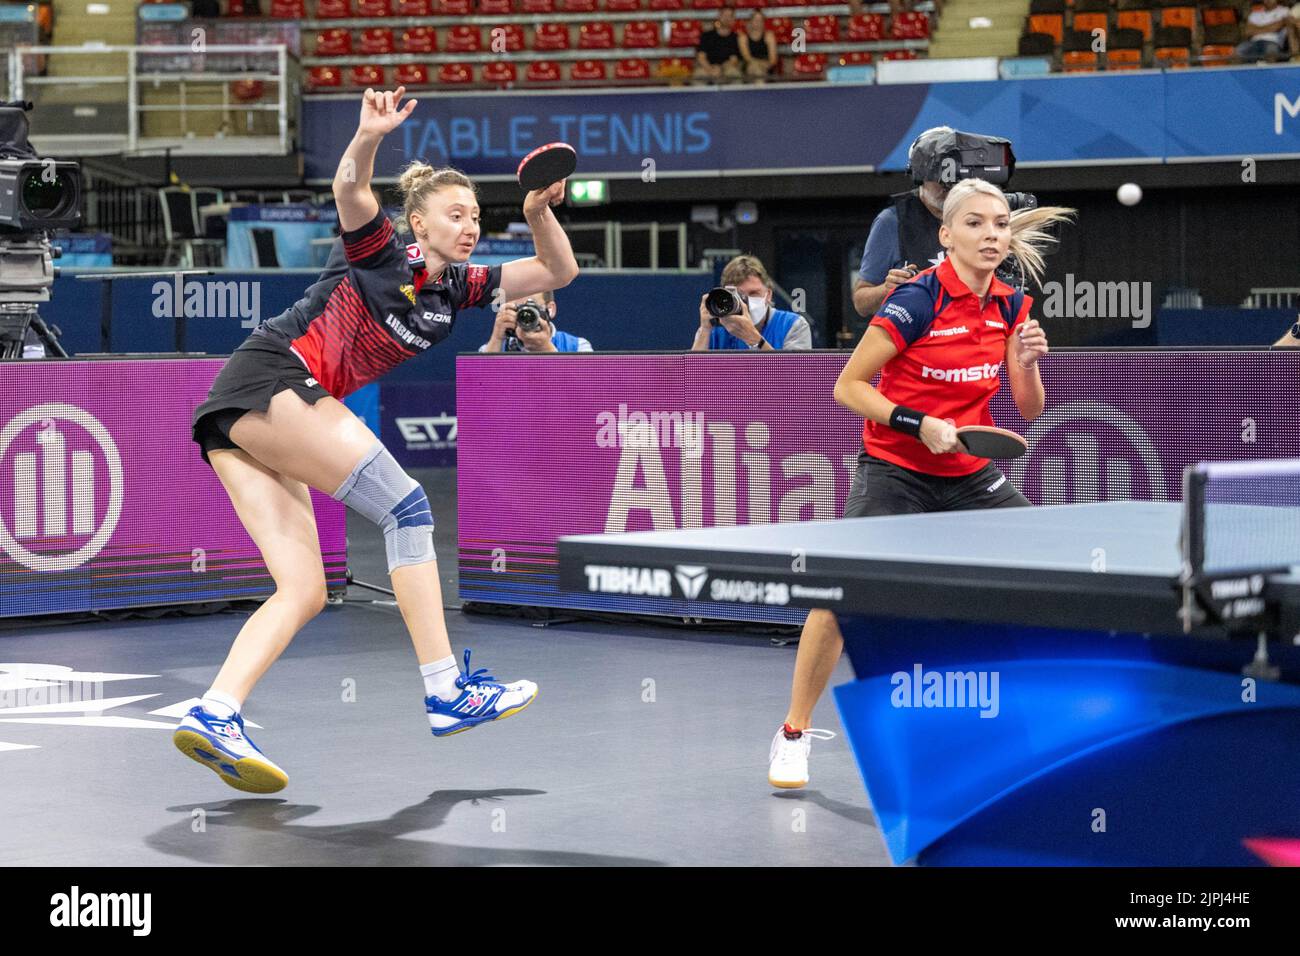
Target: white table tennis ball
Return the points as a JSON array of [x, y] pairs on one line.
[[1130, 194]]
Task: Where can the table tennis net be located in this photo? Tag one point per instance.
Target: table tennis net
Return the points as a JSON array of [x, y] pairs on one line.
[[1247, 515]]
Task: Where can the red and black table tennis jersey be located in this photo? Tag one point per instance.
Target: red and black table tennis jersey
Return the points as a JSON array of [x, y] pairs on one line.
[[373, 307], [951, 347]]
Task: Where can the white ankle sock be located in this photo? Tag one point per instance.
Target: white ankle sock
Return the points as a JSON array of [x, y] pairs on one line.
[[219, 704], [440, 678]]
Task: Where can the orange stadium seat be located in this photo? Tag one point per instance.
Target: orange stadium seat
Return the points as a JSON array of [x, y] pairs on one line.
[[324, 77], [418, 40], [505, 38], [368, 75], [537, 6], [1220, 44], [1172, 46], [1053, 24], [632, 68], [456, 74], [333, 9], [411, 74], [864, 27], [1178, 16], [1139, 20], [334, 42], [586, 71], [578, 6], [667, 4], [500, 73], [551, 36], [640, 35], [810, 65], [910, 26], [1124, 49], [1087, 22], [414, 8], [597, 35], [1077, 54], [622, 6], [824, 29], [782, 28], [289, 9], [377, 41], [495, 8], [856, 58], [542, 71], [463, 38], [685, 33], [1219, 16], [374, 8]]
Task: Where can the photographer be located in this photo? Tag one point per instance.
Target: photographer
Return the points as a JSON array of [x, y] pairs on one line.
[[747, 320], [533, 331], [1290, 338], [904, 237]]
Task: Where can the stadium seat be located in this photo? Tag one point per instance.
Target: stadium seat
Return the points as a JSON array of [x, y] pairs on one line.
[[667, 4], [324, 77], [376, 41], [622, 6], [333, 9], [1053, 24], [494, 8], [334, 42], [1090, 15], [505, 38], [856, 58], [640, 35], [499, 73], [864, 27], [367, 75], [456, 74], [1124, 49], [418, 40], [537, 6], [706, 4], [542, 71], [910, 26], [551, 36], [289, 9], [675, 68], [248, 91], [783, 28], [411, 74], [810, 66], [1172, 46], [587, 71], [597, 35], [456, 8], [632, 68], [1037, 44], [414, 8], [1077, 54], [578, 6], [1177, 13], [685, 33], [824, 29], [1219, 16], [1135, 15], [374, 8], [463, 39], [901, 55], [1220, 44], [750, 4]]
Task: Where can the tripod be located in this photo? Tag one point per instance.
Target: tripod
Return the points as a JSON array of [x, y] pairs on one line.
[[15, 320]]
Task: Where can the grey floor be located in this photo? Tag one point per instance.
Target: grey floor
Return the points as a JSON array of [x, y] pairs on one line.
[[646, 746]]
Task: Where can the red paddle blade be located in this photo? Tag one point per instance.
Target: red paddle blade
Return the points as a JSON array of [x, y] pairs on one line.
[[986, 442], [546, 165]]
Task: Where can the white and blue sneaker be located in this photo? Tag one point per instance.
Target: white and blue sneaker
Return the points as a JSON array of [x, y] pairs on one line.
[[221, 744], [481, 699]]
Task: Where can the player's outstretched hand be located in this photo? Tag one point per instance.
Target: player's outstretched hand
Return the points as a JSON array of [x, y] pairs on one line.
[[380, 112]]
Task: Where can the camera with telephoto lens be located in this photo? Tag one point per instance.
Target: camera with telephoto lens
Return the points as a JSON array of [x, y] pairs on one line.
[[724, 300], [529, 316]]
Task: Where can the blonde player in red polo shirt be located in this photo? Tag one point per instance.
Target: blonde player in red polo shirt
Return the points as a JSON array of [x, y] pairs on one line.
[[938, 343]]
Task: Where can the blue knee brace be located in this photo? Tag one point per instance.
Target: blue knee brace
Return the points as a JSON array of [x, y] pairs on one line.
[[380, 490]]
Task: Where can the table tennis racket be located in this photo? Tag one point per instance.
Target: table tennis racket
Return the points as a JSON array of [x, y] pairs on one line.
[[546, 165], [985, 441]]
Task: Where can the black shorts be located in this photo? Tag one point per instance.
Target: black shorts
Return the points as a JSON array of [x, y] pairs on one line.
[[883, 488], [248, 380]]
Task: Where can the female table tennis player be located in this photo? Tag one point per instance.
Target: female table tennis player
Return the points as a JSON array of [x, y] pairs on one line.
[[273, 426], [937, 342]]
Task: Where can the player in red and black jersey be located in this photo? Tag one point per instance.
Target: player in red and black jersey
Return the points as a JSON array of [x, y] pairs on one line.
[[939, 343], [273, 427]]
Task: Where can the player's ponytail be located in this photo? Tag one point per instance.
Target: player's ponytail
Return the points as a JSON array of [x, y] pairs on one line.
[[1030, 238], [419, 181]]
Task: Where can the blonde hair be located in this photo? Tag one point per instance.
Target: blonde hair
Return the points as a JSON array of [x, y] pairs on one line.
[[419, 181], [1029, 236], [741, 268]]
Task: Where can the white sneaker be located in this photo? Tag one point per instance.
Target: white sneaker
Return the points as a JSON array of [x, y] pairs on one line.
[[788, 759]]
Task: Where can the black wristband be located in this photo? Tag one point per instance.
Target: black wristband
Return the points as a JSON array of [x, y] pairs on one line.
[[906, 420]]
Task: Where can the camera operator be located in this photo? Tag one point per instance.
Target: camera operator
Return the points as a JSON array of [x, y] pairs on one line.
[[739, 314], [527, 325], [904, 237]]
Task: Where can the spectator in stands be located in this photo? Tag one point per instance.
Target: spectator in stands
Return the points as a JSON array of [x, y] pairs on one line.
[[718, 55], [759, 327], [1290, 338], [904, 237], [546, 339], [758, 48], [1267, 30]]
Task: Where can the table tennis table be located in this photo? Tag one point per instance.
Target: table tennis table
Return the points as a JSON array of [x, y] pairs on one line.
[[1032, 685]]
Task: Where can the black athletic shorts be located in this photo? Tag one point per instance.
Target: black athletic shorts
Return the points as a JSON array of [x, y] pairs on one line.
[[251, 376], [883, 488]]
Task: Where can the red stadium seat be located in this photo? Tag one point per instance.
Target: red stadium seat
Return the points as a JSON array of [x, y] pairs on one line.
[[499, 73], [543, 71], [289, 9], [585, 71], [551, 36], [640, 35], [333, 9], [622, 6], [324, 77], [824, 29], [782, 27], [632, 68], [376, 41], [578, 6], [537, 6], [456, 74], [368, 75], [667, 4], [864, 27], [911, 26], [598, 35], [374, 8], [335, 42], [457, 8], [414, 8], [411, 74], [706, 4], [418, 40], [505, 38], [810, 65], [463, 39], [495, 8], [247, 91], [750, 4], [685, 33], [901, 55], [856, 58]]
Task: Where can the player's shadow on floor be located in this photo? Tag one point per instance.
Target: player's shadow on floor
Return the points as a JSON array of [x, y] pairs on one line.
[[261, 831], [854, 814]]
